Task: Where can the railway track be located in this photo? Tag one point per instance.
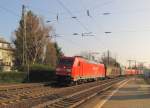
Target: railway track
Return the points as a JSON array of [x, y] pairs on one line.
[[35, 97], [77, 98], [9, 87], [18, 95]]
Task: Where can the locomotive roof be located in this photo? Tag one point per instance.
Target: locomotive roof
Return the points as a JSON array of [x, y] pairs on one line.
[[83, 58]]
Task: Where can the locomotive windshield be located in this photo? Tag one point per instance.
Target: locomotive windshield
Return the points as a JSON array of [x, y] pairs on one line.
[[66, 62]]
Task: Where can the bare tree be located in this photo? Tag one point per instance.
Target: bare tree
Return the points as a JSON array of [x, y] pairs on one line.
[[50, 55], [34, 41], [108, 60]]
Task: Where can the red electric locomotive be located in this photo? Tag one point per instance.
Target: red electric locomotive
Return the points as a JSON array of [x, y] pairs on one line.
[[77, 69]]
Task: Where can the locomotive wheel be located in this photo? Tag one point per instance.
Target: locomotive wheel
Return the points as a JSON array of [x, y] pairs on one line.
[[76, 82], [72, 83]]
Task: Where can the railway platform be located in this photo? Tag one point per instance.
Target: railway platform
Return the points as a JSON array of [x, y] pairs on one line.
[[134, 93]]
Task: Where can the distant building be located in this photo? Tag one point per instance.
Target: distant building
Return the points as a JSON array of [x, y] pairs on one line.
[[6, 55]]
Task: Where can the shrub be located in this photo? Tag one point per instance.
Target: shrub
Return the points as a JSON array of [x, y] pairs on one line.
[[41, 73], [12, 76], [37, 73]]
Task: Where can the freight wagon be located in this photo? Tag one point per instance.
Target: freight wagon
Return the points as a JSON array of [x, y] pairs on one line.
[[113, 71], [133, 71]]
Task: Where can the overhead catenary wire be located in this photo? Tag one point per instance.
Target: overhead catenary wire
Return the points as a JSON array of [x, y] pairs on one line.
[[71, 41], [74, 43], [15, 14], [78, 11], [91, 17], [100, 5], [71, 14], [92, 9], [9, 11]]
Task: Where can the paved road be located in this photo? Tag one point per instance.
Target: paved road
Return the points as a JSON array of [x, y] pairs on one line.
[[134, 93]]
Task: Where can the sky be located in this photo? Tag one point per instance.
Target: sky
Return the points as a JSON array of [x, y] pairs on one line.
[[128, 22]]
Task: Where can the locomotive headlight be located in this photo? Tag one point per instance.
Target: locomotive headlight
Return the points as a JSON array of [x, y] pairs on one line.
[[68, 70]]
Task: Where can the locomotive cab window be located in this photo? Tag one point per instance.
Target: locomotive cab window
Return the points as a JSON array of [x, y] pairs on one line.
[[66, 62]]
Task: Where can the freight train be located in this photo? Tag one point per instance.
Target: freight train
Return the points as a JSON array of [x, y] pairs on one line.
[[77, 69], [134, 72]]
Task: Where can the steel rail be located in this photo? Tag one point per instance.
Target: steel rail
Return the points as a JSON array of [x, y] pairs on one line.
[[73, 99]]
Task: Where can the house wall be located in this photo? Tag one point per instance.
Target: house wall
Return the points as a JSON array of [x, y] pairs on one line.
[[6, 56]]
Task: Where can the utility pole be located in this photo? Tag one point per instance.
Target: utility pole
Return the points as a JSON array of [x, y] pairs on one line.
[[130, 63], [141, 66], [23, 39], [24, 36], [136, 67], [25, 56], [115, 59], [108, 56], [135, 64]]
